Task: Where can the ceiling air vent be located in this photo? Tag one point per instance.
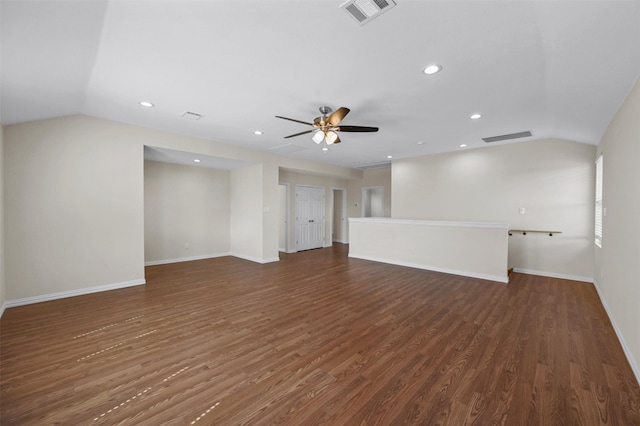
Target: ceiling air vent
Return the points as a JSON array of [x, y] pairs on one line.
[[191, 115], [507, 137], [364, 11]]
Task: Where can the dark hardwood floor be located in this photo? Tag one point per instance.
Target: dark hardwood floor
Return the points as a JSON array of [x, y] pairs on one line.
[[317, 338]]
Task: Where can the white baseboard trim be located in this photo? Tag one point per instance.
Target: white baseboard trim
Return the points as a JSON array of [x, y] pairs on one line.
[[4, 305], [504, 279], [71, 293], [553, 275], [625, 347], [255, 259], [185, 259]]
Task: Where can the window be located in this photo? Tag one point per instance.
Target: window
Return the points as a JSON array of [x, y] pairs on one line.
[[598, 229]]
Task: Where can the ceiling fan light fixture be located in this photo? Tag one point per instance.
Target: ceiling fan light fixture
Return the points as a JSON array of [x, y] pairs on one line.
[[318, 137], [331, 137]]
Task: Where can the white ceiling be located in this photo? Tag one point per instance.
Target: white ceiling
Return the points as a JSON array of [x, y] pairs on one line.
[[557, 68]]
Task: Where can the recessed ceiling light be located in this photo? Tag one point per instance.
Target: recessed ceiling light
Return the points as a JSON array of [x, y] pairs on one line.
[[196, 160], [146, 104], [257, 132], [432, 69], [475, 116], [420, 142], [389, 157], [463, 145]]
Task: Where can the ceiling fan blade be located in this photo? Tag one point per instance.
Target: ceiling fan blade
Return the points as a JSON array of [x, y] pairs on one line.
[[337, 140], [356, 129], [298, 134], [338, 116], [297, 121]]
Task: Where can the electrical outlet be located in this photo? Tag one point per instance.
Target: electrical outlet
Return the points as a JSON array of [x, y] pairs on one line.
[[522, 211]]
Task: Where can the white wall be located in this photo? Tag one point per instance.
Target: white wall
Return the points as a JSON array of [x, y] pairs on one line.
[[74, 203], [618, 261], [246, 209], [270, 211], [476, 250], [294, 178], [374, 177], [186, 212], [73, 207], [552, 179], [2, 279]]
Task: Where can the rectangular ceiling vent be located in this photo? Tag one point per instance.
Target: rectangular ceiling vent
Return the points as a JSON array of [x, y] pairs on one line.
[[364, 11], [191, 115], [507, 137]]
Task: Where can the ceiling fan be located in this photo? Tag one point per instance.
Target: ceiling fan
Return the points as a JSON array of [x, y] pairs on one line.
[[325, 127]]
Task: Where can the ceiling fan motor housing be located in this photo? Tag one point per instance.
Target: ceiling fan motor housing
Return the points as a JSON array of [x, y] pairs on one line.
[[324, 110]]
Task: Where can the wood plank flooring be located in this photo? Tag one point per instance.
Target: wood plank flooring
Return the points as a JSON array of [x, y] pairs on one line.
[[317, 339]]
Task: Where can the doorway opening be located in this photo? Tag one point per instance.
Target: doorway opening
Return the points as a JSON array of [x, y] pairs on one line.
[[283, 221], [339, 218], [373, 201]]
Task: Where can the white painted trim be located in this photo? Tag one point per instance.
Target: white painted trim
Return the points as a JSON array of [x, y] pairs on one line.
[[72, 293], [553, 275], [4, 305], [185, 259], [625, 347], [255, 259], [435, 269], [490, 225]]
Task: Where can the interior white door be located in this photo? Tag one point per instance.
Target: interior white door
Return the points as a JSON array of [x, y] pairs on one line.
[[309, 217]]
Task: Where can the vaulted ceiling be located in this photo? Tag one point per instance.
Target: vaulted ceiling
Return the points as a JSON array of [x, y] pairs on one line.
[[556, 68]]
